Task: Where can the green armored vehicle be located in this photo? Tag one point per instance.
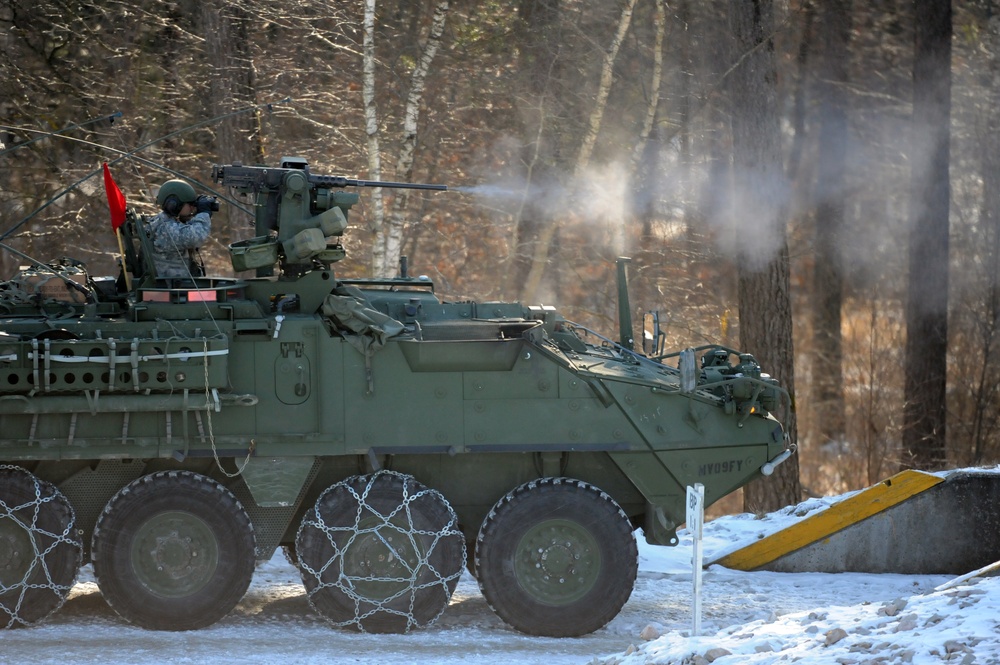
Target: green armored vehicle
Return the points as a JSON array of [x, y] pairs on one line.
[[174, 432]]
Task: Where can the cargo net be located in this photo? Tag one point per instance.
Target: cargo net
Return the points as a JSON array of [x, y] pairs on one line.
[[380, 553], [49, 283], [39, 548]]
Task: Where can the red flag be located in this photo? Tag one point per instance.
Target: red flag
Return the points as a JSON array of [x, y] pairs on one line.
[[116, 200]]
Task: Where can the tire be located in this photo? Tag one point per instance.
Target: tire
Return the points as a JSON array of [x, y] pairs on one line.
[[556, 557], [40, 548], [380, 553], [173, 550]]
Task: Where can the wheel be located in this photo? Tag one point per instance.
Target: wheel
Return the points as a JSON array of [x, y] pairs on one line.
[[173, 550], [556, 557], [380, 553], [40, 549]]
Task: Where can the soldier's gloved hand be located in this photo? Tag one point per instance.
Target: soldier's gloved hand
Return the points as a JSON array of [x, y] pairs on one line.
[[207, 204]]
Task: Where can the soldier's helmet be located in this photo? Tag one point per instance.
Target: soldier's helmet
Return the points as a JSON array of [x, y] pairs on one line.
[[173, 195]]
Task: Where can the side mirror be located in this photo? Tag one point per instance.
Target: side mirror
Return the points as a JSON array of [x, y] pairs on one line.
[[653, 339]]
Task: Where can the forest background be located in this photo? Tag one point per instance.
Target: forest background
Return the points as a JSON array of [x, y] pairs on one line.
[[572, 132]]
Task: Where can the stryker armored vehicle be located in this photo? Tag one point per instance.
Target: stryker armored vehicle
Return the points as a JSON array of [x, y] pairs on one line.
[[174, 432]]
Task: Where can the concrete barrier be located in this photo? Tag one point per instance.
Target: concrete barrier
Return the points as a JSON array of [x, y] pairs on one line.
[[912, 524]]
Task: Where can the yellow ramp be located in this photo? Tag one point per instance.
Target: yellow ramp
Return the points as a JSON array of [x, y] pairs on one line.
[[852, 510]]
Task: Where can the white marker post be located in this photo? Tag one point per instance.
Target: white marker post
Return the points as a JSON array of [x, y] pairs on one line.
[[695, 520]]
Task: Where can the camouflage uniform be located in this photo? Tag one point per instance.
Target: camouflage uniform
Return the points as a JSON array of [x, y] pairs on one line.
[[174, 242]]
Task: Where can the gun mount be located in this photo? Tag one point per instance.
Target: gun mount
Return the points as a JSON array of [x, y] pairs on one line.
[[299, 216]]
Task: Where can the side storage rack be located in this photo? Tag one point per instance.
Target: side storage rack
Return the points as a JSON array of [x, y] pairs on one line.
[[110, 397], [136, 365]]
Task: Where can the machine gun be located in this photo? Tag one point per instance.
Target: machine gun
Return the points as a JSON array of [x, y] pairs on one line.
[[254, 177], [299, 216]]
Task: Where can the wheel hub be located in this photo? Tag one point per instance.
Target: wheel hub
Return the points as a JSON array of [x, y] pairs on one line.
[[558, 562], [379, 563], [174, 554]]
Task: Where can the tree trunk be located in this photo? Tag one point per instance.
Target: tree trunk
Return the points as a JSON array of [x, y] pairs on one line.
[[798, 113], [766, 331], [761, 188], [986, 386], [927, 296], [540, 256], [233, 85], [829, 196], [538, 65]]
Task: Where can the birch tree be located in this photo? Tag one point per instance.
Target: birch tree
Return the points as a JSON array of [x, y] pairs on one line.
[[393, 240], [388, 233], [656, 78], [372, 134]]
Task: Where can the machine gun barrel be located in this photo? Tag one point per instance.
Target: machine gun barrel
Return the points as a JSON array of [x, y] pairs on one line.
[[340, 181]]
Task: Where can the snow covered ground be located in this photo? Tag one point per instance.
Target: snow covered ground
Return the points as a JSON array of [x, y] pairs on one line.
[[758, 618]]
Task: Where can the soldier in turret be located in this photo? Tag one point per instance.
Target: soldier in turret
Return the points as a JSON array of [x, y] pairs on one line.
[[182, 226]]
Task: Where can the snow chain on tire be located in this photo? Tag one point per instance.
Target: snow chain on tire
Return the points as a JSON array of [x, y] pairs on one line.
[[56, 552], [414, 579]]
